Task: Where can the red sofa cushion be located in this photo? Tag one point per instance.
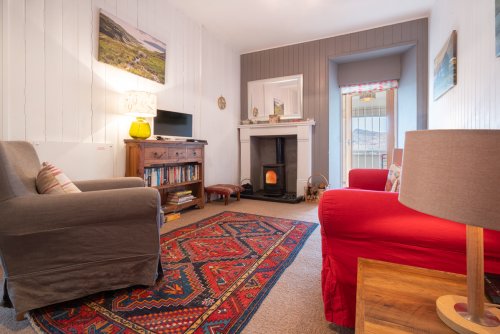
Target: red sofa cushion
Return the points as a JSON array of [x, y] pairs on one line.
[[373, 224]]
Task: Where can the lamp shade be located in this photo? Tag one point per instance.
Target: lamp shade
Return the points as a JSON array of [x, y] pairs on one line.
[[453, 174], [140, 104]]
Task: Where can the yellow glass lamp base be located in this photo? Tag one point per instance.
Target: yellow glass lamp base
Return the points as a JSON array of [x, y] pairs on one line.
[[140, 129], [452, 310]]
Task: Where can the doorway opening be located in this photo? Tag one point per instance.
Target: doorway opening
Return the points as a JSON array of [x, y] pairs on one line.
[[369, 129]]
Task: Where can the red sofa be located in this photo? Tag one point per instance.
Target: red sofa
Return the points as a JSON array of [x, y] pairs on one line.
[[373, 224]]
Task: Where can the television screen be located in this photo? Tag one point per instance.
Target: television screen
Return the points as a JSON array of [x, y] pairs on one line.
[[173, 124]]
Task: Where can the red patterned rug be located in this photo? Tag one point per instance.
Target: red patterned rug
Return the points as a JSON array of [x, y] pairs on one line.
[[216, 274]]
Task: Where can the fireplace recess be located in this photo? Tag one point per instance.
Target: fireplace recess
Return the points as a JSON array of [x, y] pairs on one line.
[[274, 174]]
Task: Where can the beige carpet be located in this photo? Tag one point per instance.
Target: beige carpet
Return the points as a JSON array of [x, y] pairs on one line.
[[294, 304]]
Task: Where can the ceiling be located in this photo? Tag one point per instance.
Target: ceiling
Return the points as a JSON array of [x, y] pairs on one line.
[[252, 25]]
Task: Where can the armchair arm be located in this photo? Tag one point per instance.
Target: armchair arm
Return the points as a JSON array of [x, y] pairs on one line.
[[368, 179], [52, 231], [114, 183]]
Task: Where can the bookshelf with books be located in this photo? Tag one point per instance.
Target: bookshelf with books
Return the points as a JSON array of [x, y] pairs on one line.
[[175, 168]]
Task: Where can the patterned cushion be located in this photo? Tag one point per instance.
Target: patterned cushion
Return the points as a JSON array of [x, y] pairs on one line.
[[393, 180], [51, 180], [224, 189]]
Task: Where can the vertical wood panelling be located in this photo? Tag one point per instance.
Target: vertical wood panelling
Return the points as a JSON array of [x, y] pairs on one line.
[[85, 71], [280, 62], [70, 69], [362, 40], [346, 44], [53, 70], [405, 31], [59, 91], [396, 33], [98, 107], [312, 60], [379, 37], [473, 102], [16, 70], [388, 34], [354, 42], [35, 71], [370, 39]]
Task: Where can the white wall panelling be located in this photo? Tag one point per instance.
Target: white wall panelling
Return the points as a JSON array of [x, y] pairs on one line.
[[219, 65], [54, 89], [473, 102]]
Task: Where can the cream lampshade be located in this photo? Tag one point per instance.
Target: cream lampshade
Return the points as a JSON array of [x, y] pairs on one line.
[[455, 175], [141, 105]]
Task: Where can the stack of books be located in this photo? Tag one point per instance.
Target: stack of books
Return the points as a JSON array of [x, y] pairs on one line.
[[180, 197]]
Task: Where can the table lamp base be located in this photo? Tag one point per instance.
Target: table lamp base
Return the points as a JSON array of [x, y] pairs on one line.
[[452, 310]]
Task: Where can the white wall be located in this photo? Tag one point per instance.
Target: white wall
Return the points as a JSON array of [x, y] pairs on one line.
[[474, 101], [55, 90], [220, 77], [407, 95]]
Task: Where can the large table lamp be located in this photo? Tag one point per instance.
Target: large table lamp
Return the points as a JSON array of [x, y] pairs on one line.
[[141, 105], [455, 175]]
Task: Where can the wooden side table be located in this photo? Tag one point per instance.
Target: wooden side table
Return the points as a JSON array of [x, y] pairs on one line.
[[394, 298]]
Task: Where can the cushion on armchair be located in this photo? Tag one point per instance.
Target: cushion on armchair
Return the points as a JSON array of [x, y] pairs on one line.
[[52, 180]]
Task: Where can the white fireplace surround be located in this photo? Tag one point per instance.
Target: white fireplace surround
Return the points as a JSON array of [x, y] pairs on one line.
[[303, 131]]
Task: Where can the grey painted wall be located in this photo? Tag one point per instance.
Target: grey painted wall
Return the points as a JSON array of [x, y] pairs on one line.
[[312, 60], [377, 69], [407, 95]]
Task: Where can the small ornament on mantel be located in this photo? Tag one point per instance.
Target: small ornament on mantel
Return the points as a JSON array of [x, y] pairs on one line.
[[221, 101]]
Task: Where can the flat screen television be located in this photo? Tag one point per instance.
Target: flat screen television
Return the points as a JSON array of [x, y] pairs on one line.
[[173, 124]]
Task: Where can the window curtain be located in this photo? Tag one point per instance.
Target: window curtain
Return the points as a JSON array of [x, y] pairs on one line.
[[369, 87]]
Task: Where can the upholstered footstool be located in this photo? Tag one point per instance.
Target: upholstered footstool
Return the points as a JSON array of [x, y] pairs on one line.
[[225, 190]]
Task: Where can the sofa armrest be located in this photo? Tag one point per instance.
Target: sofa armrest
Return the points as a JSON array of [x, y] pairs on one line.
[[52, 231], [112, 183], [368, 179]]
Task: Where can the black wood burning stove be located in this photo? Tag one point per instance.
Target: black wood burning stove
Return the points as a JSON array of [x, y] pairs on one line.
[[274, 174]]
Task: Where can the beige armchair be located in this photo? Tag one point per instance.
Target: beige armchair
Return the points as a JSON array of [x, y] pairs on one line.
[[56, 248]]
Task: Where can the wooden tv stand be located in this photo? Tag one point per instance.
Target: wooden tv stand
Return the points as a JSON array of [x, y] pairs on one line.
[[170, 167]]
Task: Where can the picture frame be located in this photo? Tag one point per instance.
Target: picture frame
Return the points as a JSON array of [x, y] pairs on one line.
[[445, 67], [123, 46]]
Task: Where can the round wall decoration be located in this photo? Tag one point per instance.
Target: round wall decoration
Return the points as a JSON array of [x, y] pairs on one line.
[[221, 101]]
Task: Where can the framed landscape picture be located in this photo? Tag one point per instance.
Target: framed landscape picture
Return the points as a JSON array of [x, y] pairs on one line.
[[130, 49], [445, 67]]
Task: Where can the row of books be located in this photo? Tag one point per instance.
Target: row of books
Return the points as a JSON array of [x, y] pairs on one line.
[[180, 197], [162, 175]]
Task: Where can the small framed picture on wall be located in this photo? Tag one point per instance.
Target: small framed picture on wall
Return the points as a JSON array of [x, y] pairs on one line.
[[445, 67]]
